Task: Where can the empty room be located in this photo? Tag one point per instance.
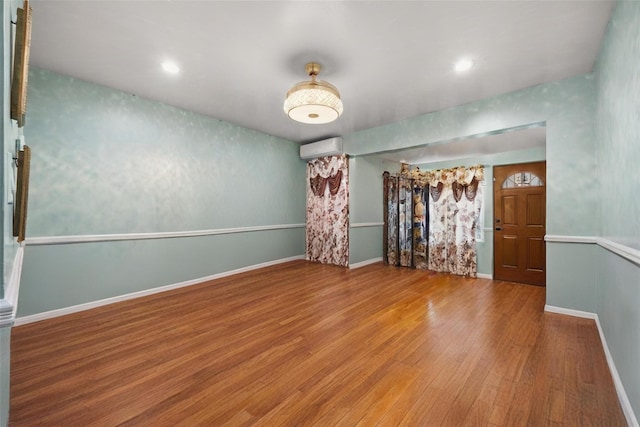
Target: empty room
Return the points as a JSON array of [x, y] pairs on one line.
[[320, 213]]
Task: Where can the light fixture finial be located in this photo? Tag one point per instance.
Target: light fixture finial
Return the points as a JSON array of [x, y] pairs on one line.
[[313, 69]]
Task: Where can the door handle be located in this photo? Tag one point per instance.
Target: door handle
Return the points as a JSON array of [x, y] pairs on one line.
[[498, 228]]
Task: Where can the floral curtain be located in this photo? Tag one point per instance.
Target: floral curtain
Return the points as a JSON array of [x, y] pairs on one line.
[[391, 219], [405, 225], [455, 201], [419, 228], [405, 221], [327, 231]]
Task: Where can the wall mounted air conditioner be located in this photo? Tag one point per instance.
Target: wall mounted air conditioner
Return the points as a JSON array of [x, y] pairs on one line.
[[327, 147]]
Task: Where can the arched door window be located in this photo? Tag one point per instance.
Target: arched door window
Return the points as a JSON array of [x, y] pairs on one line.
[[522, 179]]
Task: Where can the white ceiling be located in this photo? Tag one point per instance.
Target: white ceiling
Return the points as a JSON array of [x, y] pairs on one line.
[[391, 60]]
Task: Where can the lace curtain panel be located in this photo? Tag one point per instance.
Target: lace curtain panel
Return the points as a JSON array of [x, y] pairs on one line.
[[327, 225], [455, 201]]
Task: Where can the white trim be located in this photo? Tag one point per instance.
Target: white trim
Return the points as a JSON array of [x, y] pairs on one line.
[[485, 276], [7, 311], [9, 304], [627, 252], [87, 306], [570, 239], [61, 240], [622, 394], [367, 262], [570, 312], [366, 224]]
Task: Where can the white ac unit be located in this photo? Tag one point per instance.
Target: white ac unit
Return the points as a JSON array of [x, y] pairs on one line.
[[327, 147]]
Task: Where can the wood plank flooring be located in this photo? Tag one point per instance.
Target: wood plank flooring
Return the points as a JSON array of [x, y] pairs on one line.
[[302, 344]]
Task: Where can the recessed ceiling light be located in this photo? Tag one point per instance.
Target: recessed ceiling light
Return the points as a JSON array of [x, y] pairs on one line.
[[463, 65], [170, 67]]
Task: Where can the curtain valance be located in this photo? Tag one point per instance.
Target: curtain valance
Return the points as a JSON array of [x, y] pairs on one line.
[[461, 175], [326, 167], [319, 184]]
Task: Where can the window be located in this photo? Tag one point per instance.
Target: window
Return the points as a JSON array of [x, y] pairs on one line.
[[522, 179]]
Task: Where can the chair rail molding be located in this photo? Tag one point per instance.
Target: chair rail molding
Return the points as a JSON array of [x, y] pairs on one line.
[[624, 251], [61, 240], [366, 224]]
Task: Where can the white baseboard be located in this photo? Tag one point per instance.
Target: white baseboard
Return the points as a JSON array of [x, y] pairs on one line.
[[87, 306], [622, 394], [367, 262], [570, 312], [485, 276]]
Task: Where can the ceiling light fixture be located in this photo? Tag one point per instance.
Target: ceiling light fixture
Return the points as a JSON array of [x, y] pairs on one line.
[[314, 101], [463, 65]]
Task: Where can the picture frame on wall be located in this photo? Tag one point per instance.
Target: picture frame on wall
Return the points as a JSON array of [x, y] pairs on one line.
[[22, 194], [20, 75]]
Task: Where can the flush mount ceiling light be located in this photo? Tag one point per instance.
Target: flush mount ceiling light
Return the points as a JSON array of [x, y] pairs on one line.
[[463, 65], [314, 101], [170, 67]]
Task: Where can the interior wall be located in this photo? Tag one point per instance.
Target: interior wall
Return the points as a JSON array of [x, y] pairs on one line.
[[365, 206], [618, 154], [618, 125], [567, 107], [106, 162]]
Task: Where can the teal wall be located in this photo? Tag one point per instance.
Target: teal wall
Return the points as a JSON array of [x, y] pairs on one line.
[[572, 263], [618, 125], [365, 205], [107, 162], [618, 308], [618, 155], [567, 107], [65, 275], [365, 187]]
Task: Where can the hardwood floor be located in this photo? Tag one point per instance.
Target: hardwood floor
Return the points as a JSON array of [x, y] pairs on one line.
[[308, 344]]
